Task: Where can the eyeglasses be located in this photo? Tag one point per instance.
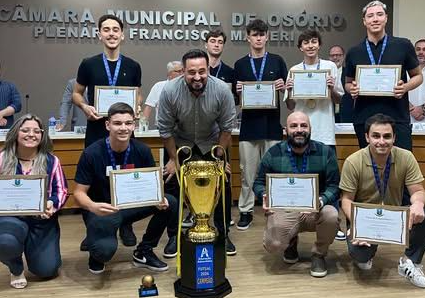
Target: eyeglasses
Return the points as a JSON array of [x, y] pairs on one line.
[[336, 55], [27, 130]]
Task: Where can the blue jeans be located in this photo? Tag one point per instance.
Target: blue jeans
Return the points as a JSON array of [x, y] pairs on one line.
[[37, 238], [102, 239]]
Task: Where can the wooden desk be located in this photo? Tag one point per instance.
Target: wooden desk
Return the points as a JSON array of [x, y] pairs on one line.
[[68, 148]]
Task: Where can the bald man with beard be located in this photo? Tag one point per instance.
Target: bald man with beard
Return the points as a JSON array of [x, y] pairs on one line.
[[300, 155]]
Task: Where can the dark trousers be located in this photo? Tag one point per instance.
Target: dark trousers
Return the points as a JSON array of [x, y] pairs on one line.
[[102, 230], [415, 251], [173, 187], [403, 139], [37, 238]]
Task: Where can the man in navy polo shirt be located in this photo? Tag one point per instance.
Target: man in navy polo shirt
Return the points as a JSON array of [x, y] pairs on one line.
[[92, 193], [260, 128], [379, 48]]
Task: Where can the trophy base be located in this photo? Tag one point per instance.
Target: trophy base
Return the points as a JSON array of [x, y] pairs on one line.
[[217, 292], [202, 269]]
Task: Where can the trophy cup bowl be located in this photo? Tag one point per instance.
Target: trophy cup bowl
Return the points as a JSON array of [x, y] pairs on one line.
[[202, 188]]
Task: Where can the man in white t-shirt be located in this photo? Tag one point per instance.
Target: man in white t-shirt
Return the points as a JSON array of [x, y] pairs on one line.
[[174, 69], [417, 95], [320, 111]]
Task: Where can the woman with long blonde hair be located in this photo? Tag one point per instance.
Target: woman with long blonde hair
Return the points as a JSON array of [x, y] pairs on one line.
[[27, 151]]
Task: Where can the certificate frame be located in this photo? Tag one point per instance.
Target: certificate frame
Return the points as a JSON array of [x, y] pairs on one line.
[[315, 203], [144, 202], [273, 102], [97, 90], [397, 77], [324, 94], [354, 235], [42, 200]]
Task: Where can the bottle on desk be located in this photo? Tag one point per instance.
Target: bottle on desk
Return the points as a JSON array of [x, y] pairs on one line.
[[52, 125]]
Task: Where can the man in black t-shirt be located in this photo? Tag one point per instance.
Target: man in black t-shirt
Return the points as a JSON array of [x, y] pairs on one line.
[[92, 193], [214, 44], [260, 128], [381, 49], [107, 69]]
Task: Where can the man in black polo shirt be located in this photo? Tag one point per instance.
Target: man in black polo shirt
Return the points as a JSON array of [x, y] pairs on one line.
[[110, 68], [214, 44], [92, 193], [260, 128], [380, 48]]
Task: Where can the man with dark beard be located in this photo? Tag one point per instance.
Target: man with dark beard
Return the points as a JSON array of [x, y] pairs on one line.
[[300, 155], [195, 110]]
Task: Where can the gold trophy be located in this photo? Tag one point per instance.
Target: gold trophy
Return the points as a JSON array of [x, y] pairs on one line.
[[201, 253]]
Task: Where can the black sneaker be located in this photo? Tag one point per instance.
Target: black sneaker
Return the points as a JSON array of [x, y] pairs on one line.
[[290, 255], [148, 259], [170, 250], [127, 235], [83, 245], [245, 221], [318, 266], [230, 247], [188, 221], [95, 266], [340, 236]]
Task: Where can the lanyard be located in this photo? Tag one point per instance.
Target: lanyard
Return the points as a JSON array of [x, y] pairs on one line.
[[219, 68], [112, 157], [294, 163], [369, 50], [382, 188], [263, 64], [112, 81], [318, 65]]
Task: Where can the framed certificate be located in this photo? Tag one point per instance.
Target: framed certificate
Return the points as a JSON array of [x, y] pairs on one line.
[[140, 187], [380, 223], [23, 194], [377, 80], [106, 96], [310, 84], [296, 192], [258, 95]]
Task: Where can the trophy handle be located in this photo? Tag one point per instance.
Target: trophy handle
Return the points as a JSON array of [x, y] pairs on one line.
[[217, 158], [184, 161]]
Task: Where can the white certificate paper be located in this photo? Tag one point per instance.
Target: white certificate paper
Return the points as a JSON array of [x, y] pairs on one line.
[[106, 96], [380, 224], [258, 95], [310, 84], [377, 80], [132, 188], [22, 195], [293, 191]]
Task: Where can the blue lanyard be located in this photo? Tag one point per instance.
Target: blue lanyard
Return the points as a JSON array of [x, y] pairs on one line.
[[219, 68], [294, 163], [263, 64], [112, 157], [369, 50], [112, 81], [318, 65], [382, 188]]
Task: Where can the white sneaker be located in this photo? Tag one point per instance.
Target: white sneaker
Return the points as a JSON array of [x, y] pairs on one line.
[[364, 266], [412, 272], [340, 236]]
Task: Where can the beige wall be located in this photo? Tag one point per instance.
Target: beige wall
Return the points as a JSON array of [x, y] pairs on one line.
[[41, 66], [409, 20]]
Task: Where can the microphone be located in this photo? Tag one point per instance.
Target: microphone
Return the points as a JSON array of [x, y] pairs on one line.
[[27, 97]]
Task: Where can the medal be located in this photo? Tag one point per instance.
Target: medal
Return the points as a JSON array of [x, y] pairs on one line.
[[311, 103], [116, 91], [377, 70], [258, 87]]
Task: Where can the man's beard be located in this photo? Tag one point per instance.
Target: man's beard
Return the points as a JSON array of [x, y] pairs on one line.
[[299, 144], [191, 89]]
